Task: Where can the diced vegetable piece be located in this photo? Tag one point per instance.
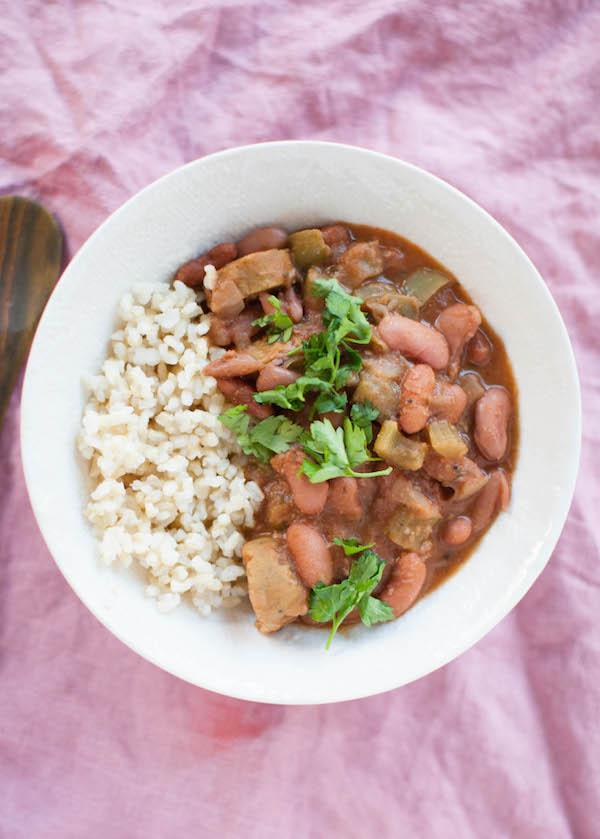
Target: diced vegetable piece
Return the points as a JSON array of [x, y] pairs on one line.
[[308, 248], [424, 283], [445, 439], [256, 272], [379, 382], [360, 262], [408, 531], [461, 474], [380, 299], [394, 447]]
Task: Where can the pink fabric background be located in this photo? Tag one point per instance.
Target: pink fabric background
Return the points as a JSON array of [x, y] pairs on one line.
[[502, 99]]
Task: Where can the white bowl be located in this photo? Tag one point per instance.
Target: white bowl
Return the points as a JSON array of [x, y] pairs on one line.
[[296, 184]]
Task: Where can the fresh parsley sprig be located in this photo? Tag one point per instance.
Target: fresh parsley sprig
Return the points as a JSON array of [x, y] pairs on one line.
[[335, 452], [280, 325], [324, 351], [351, 546], [268, 437], [334, 603], [363, 414]]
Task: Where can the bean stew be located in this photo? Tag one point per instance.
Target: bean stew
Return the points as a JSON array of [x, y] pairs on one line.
[[378, 410]]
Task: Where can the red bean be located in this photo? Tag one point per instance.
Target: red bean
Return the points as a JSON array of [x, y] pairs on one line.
[[458, 323], [220, 331], [227, 300], [192, 273], [309, 498], [274, 375], [415, 340], [310, 554], [292, 305], [448, 402], [479, 349], [268, 307], [405, 583], [240, 393], [456, 531], [335, 234], [417, 388], [495, 496], [233, 364], [344, 497], [492, 413], [263, 239]]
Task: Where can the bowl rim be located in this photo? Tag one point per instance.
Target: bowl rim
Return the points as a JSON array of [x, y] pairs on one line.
[[215, 684]]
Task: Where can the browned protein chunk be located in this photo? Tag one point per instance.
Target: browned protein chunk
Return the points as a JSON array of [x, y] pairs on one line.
[[359, 263], [262, 239], [226, 300], [232, 364], [492, 414], [457, 530], [310, 554], [404, 492], [448, 401], [460, 474], [494, 497], [276, 592], [336, 234], [479, 349], [405, 583], [240, 393], [265, 352], [274, 375], [242, 328], [458, 323], [309, 498], [417, 388], [220, 331], [393, 261], [192, 273], [417, 341], [380, 382], [344, 498], [256, 272]]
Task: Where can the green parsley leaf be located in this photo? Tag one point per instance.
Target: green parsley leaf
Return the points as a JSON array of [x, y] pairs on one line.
[[363, 415], [342, 311], [269, 437], [336, 452], [372, 610], [331, 400], [351, 546], [323, 351], [334, 603], [237, 419], [280, 325]]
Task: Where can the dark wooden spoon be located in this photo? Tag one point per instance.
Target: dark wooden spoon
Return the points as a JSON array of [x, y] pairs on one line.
[[30, 257]]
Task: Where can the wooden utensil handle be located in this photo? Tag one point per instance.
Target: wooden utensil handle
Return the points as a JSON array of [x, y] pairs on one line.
[[30, 257]]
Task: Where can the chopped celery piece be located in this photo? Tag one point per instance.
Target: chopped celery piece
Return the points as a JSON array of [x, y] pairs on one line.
[[445, 439], [424, 283], [308, 248], [382, 298], [392, 446], [408, 531]]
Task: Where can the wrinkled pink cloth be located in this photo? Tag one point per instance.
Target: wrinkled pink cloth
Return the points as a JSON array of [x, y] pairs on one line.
[[502, 99]]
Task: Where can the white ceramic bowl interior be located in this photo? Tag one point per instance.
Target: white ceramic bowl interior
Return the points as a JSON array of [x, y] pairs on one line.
[[300, 184]]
